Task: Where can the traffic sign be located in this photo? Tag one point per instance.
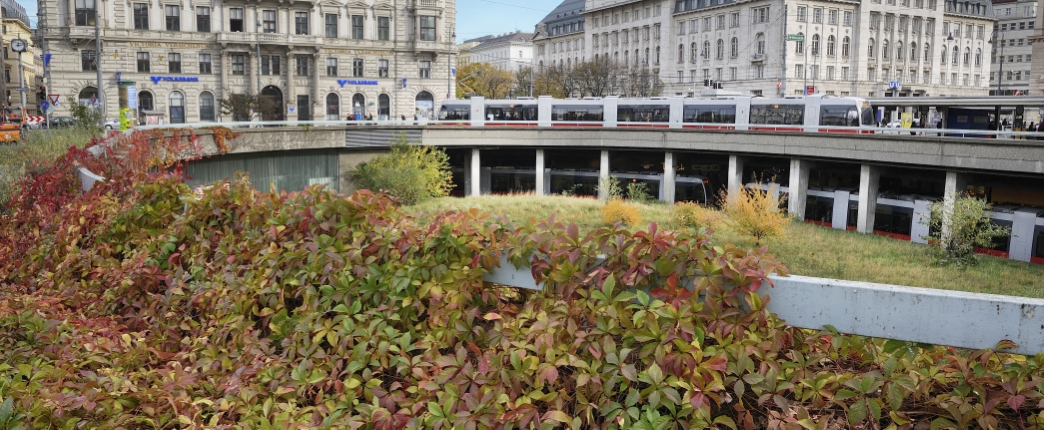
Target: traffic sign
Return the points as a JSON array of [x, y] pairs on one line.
[[779, 84], [54, 99], [809, 90], [795, 37], [44, 105], [894, 85]]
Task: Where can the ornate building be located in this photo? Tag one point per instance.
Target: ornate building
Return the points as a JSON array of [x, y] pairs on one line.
[[318, 59], [1013, 55], [16, 26]]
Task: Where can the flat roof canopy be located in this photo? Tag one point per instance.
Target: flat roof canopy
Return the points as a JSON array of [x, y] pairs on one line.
[[959, 102]]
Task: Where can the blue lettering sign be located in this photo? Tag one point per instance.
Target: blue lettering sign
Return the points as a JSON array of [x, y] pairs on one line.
[[157, 79], [343, 82]]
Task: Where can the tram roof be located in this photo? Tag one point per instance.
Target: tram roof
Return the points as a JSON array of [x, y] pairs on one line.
[[958, 102]]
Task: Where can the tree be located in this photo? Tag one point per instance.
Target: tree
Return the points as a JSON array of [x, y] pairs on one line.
[[244, 107], [959, 224], [482, 79]]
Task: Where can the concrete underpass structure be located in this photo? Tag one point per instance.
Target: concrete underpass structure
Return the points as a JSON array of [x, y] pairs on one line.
[[881, 184]]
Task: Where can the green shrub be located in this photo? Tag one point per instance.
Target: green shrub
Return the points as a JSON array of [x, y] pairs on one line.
[[87, 117], [616, 211], [639, 192], [968, 226], [412, 173], [609, 188]]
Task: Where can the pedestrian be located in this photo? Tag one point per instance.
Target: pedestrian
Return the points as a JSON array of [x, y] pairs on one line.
[[402, 117]]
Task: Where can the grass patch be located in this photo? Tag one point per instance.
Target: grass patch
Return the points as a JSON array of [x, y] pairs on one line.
[[37, 147], [807, 249]]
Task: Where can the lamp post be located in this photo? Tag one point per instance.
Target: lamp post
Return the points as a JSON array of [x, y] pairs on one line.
[[257, 69], [1000, 74], [449, 69]]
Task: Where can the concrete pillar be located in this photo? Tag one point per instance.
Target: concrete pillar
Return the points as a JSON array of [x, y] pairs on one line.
[[539, 172], [667, 186], [920, 226], [735, 173], [1023, 226], [869, 179], [476, 173], [798, 189], [955, 183], [839, 220], [603, 174]]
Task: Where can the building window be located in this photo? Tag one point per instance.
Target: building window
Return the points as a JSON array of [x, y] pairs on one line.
[[141, 16], [300, 22], [269, 65], [235, 20], [817, 15], [331, 67], [831, 45], [978, 57], [357, 27], [802, 11], [799, 46], [143, 62], [357, 68], [720, 51], [899, 51], [760, 44], [815, 45], [331, 25], [734, 20], [238, 64], [203, 19], [302, 65], [382, 68], [870, 48], [425, 69], [720, 22], [832, 17], [383, 28], [427, 25], [85, 12], [174, 63], [734, 47], [303, 111], [145, 101], [206, 106], [177, 108], [844, 73], [205, 64], [173, 17], [268, 21]]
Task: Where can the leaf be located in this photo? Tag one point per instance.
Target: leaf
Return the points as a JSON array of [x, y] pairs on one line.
[[559, 416], [1015, 402], [1005, 344], [655, 373], [491, 316], [857, 412], [6, 410], [629, 372], [942, 423], [843, 395]]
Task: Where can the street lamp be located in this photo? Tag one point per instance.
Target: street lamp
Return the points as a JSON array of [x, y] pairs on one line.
[[1000, 75], [449, 70]]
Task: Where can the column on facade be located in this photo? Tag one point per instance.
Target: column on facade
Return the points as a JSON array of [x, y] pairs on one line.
[[317, 104], [603, 175], [668, 186], [255, 64], [316, 21], [798, 189], [476, 173], [869, 180], [735, 173], [539, 172], [291, 89], [225, 62]]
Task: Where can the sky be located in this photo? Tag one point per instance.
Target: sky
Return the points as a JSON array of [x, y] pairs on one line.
[[475, 18]]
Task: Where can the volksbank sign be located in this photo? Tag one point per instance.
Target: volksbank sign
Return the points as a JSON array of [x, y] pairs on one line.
[[344, 82], [158, 79]]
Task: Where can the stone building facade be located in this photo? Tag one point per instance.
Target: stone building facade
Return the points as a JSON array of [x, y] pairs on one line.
[[1012, 57], [321, 59], [865, 48], [16, 26], [559, 38], [511, 51]]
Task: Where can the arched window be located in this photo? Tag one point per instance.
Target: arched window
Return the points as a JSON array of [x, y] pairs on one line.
[[831, 46], [383, 107], [815, 45], [657, 59], [333, 107], [625, 62], [734, 48], [760, 47], [681, 52], [799, 46], [845, 46], [978, 56], [721, 49], [899, 50], [635, 57], [927, 52], [967, 56], [206, 106], [913, 51], [146, 101], [693, 53], [942, 58], [886, 54], [645, 58], [424, 104], [870, 48], [177, 108], [88, 96], [706, 49], [956, 55]]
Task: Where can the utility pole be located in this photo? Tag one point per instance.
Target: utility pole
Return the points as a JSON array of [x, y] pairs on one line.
[[3, 82], [21, 80], [783, 79], [98, 57], [257, 67], [449, 69], [42, 28]]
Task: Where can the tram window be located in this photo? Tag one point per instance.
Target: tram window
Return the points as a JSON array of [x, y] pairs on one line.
[[839, 116], [710, 114], [867, 116], [777, 114], [511, 112], [643, 113], [577, 113], [454, 112]]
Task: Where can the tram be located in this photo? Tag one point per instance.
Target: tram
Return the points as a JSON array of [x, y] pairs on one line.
[[818, 113]]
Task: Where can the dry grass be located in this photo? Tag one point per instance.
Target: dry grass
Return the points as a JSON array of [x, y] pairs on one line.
[[806, 250]]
